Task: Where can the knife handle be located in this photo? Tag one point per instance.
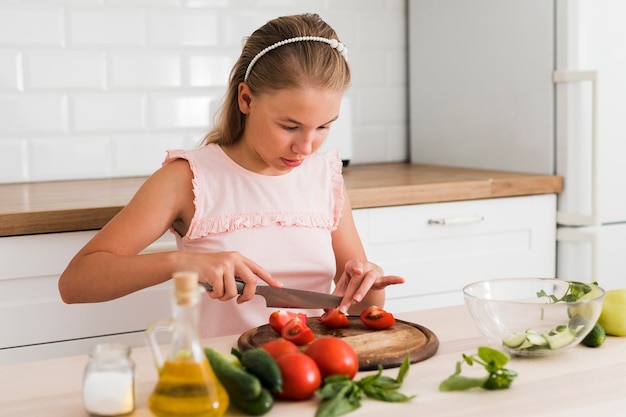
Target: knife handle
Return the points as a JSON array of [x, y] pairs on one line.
[[240, 285]]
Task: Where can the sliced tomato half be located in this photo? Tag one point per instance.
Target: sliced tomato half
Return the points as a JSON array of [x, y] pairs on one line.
[[376, 318], [279, 318], [334, 319], [297, 331]]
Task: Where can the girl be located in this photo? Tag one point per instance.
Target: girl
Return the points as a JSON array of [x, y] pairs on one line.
[[254, 201]]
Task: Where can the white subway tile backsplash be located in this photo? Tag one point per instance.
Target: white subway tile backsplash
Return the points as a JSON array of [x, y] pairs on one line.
[[369, 143], [100, 88], [182, 27], [143, 2], [391, 27], [56, 158], [40, 25], [13, 161], [136, 70], [94, 112], [180, 111], [108, 26], [207, 3], [48, 69], [10, 71], [210, 70], [378, 109], [32, 113], [368, 70], [135, 155]]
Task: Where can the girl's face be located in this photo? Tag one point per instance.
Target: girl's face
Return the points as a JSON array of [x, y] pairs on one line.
[[283, 127]]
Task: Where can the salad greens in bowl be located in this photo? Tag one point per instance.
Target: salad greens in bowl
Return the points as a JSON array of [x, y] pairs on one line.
[[534, 316]]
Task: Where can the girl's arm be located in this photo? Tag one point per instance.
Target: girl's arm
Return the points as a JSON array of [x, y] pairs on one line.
[[110, 264], [362, 283]]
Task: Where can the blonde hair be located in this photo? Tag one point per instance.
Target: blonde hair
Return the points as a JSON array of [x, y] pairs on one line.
[[292, 65]]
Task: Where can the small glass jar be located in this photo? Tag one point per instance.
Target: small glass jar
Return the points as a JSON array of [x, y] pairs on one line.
[[109, 381]]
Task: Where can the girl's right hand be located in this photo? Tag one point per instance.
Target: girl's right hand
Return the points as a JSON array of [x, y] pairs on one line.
[[220, 269]]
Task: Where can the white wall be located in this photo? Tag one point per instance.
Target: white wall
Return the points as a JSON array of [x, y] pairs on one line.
[[100, 88]]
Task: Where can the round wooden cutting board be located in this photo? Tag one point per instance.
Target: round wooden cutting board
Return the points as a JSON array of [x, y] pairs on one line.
[[373, 347]]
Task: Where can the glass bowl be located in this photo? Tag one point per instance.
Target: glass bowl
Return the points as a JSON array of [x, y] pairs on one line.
[[534, 316]]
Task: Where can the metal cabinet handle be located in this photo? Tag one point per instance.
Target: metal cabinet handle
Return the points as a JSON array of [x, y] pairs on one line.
[[457, 220]]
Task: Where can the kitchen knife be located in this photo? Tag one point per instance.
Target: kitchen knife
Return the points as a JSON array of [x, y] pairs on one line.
[[288, 297]]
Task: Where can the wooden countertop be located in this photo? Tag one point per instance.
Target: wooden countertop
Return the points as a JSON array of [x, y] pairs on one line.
[[579, 382], [46, 207]]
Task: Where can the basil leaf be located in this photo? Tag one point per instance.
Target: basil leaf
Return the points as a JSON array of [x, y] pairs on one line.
[[493, 357], [332, 389], [342, 403], [386, 395], [457, 382], [404, 368], [385, 382]]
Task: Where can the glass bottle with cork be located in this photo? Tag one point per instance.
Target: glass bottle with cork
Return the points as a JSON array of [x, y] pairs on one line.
[[187, 385]]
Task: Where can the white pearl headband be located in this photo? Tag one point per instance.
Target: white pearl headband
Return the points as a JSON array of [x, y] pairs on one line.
[[334, 43]]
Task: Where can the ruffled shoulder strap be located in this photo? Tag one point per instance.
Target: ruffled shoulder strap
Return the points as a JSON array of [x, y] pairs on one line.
[[336, 183]]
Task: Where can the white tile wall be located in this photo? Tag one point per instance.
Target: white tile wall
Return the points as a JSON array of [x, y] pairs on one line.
[[101, 88]]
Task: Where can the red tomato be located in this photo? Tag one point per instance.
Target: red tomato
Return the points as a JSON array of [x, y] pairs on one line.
[[376, 318], [301, 376], [279, 318], [333, 356], [335, 319], [297, 331], [280, 347]]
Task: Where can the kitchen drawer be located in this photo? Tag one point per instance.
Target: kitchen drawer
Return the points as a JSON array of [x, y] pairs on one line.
[[439, 248], [33, 316]]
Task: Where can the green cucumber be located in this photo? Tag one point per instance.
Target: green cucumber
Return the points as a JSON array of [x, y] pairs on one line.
[[256, 407], [237, 382], [260, 363], [596, 336]]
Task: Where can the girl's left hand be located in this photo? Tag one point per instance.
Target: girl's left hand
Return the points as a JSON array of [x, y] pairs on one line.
[[356, 281]]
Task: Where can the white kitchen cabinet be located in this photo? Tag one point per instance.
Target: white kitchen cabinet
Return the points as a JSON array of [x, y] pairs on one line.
[[482, 239], [35, 322]]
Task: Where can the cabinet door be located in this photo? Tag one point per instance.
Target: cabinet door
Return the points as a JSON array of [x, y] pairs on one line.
[[481, 91], [593, 254], [482, 239]]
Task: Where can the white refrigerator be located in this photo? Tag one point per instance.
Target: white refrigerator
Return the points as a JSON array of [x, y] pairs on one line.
[[533, 86]]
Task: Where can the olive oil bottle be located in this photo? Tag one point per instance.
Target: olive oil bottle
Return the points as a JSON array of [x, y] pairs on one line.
[[187, 386]]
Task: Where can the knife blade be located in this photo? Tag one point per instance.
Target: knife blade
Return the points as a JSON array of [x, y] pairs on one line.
[[289, 297]]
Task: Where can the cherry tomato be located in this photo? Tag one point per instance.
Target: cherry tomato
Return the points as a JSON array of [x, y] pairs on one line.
[[301, 376], [376, 318], [333, 356], [297, 331], [280, 347], [279, 318], [335, 319]]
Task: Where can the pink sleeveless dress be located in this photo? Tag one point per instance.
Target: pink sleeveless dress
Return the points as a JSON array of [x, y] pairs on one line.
[[283, 223]]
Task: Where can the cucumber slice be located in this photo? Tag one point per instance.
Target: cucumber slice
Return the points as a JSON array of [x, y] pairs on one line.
[[536, 339], [514, 341], [559, 339]]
